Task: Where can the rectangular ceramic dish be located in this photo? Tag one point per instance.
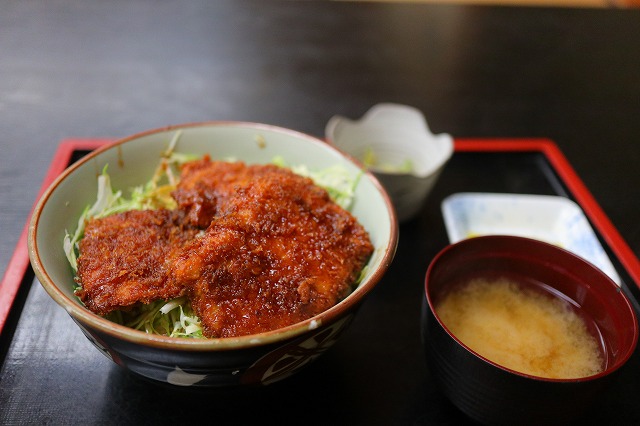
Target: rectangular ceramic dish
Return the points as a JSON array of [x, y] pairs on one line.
[[550, 218]]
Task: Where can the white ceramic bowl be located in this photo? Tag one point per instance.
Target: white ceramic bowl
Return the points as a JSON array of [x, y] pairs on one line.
[[396, 135], [247, 360]]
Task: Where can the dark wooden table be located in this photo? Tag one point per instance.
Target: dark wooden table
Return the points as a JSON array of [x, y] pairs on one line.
[[113, 68]]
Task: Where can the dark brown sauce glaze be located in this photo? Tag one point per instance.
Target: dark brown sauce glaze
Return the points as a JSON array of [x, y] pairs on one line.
[[255, 248]]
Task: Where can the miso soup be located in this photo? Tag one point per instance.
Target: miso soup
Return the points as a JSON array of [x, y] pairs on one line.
[[521, 329]]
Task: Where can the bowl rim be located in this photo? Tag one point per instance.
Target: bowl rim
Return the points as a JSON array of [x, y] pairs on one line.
[[88, 318], [624, 303]]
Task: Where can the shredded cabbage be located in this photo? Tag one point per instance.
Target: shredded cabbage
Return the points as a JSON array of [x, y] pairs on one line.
[[176, 317], [336, 180]]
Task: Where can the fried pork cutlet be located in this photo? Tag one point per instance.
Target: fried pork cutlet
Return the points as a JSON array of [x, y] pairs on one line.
[[206, 186], [277, 252], [125, 259]]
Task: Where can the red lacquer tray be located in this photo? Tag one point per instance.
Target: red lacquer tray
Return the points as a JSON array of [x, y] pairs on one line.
[[397, 390]]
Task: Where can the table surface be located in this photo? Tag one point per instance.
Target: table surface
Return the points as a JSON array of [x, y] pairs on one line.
[[113, 68]]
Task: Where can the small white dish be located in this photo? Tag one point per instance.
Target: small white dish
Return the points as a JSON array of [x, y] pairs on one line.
[[395, 143], [553, 219]]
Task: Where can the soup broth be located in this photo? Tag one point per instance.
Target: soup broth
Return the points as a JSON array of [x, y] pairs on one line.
[[521, 329]]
